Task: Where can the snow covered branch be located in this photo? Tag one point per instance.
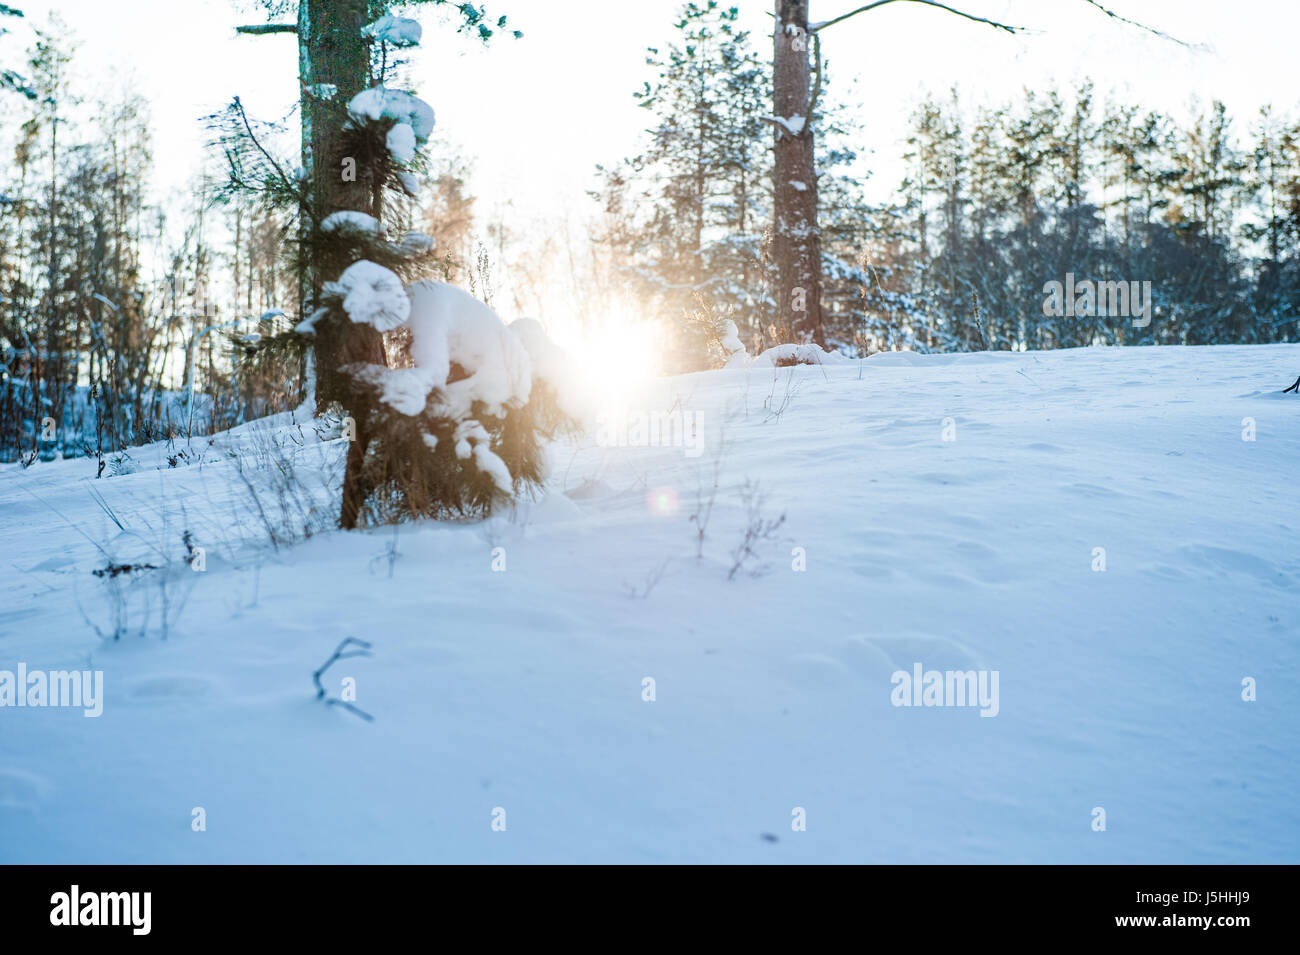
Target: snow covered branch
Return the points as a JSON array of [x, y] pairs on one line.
[[793, 125]]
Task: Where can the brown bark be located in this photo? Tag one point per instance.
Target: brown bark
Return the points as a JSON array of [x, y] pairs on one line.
[[796, 240], [332, 51]]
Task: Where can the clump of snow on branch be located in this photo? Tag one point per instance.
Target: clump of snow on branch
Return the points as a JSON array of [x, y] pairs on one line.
[[308, 325], [467, 364], [402, 389], [472, 439], [401, 143], [379, 103], [793, 125], [737, 356], [730, 338], [410, 183], [450, 325], [413, 243], [395, 31], [372, 295], [357, 223], [550, 364]]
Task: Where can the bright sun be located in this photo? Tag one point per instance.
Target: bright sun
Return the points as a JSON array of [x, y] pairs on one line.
[[618, 356]]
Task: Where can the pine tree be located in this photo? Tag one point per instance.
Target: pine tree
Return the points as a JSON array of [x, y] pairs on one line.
[[419, 445], [684, 214]]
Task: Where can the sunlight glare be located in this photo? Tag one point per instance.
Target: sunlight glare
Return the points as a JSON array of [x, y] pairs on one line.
[[618, 356]]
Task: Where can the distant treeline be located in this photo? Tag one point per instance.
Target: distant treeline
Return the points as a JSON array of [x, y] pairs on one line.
[[997, 203]]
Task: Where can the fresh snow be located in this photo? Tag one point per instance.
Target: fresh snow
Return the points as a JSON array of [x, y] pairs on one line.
[[805, 354], [552, 364], [448, 324], [372, 295], [731, 342], [793, 125], [522, 689], [308, 325], [379, 103], [358, 223], [396, 31], [403, 389], [472, 439], [414, 242], [401, 143]]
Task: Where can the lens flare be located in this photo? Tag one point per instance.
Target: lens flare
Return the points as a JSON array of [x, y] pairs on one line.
[[662, 501]]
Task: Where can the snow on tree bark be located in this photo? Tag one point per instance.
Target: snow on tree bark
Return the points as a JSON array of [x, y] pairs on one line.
[[796, 240], [333, 53]]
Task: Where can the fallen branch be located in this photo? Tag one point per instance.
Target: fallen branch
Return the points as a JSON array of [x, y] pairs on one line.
[[342, 653]]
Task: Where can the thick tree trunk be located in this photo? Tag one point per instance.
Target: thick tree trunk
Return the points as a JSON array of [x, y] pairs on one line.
[[332, 53], [796, 242]]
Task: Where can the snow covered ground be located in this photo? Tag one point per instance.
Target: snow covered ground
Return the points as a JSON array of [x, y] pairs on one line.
[[522, 689]]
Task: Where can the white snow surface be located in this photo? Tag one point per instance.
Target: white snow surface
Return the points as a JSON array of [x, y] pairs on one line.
[[804, 354], [522, 689]]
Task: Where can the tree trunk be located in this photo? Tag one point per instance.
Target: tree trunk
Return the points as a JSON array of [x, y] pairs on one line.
[[332, 52], [796, 241]]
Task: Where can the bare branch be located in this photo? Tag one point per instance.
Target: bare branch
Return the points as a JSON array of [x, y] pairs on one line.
[[1141, 26], [818, 27], [260, 148], [265, 28], [817, 83]]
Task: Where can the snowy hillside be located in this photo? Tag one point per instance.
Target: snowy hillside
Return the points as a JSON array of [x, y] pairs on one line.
[[953, 512]]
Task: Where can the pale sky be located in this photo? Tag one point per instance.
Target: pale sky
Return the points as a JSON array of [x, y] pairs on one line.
[[536, 114]]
